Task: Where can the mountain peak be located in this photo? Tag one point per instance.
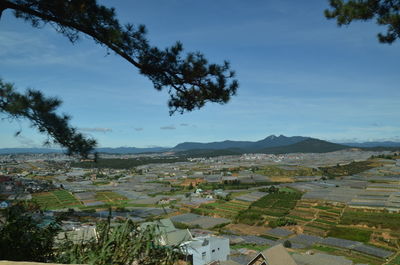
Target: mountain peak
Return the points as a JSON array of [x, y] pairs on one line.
[[271, 137]]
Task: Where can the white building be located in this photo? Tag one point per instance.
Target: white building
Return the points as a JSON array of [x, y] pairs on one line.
[[203, 250]]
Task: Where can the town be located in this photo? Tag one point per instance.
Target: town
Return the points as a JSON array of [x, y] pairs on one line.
[[339, 207]]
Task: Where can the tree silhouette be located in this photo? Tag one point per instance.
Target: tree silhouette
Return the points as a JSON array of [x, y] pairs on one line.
[[385, 12], [24, 236], [190, 80]]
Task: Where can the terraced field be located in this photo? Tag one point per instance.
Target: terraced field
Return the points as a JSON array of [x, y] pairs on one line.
[[269, 207], [56, 199], [316, 218], [325, 219]]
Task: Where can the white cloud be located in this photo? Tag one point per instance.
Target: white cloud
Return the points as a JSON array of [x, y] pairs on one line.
[[169, 127]]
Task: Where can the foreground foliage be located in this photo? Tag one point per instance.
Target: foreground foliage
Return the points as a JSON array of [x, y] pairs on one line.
[[120, 244], [24, 236]]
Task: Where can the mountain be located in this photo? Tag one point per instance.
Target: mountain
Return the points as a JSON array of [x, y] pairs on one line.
[[309, 145], [270, 145], [270, 141]]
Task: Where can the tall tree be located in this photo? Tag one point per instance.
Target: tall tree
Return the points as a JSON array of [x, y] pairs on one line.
[[385, 12], [190, 80]]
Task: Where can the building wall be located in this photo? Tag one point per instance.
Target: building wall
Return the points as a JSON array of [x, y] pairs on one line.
[[216, 250], [221, 249]]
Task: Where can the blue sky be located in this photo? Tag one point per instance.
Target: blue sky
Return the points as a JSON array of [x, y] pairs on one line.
[[299, 74]]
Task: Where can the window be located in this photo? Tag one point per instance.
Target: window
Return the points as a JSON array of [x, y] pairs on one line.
[[213, 250], [203, 255]]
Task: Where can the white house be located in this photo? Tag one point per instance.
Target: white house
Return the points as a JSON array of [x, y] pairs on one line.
[[203, 250]]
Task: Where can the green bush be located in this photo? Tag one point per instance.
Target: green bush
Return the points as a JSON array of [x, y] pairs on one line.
[[249, 216], [281, 222], [287, 244]]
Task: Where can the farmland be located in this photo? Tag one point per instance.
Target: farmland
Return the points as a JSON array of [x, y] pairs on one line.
[[59, 199], [227, 209], [316, 218], [56, 199], [349, 169], [377, 219], [351, 234], [279, 172], [270, 207]]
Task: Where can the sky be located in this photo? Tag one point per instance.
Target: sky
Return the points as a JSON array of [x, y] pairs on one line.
[[299, 74]]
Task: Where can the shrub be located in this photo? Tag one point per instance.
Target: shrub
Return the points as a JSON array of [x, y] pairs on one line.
[[249, 216], [281, 222], [122, 244], [287, 244]]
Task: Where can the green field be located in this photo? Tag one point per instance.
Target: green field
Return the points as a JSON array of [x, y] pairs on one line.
[[278, 171], [372, 219], [350, 234], [59, 199], [250, 246], [56, 199], [395, 261], [316, 217], [276, 204]]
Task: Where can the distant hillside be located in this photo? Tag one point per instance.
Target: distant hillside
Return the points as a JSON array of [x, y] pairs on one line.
[[209, 152], [374, 144], [271, 145], [381, 148], [307, 146], [270, 141]]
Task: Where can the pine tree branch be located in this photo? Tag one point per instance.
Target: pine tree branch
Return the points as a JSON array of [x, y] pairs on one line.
[[191, 81], [75, 26]]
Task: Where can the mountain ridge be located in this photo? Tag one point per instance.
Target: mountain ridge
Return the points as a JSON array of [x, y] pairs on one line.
[[269, 141], [270, 144]]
